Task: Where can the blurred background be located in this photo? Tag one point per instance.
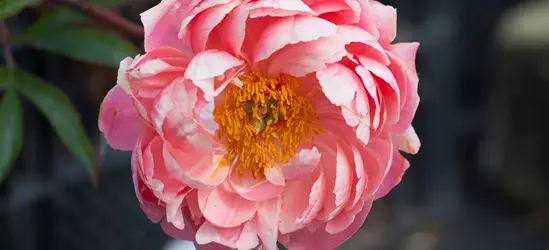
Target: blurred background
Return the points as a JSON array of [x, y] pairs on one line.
[[480, 181]]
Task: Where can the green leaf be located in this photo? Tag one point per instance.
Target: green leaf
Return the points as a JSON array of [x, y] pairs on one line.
[[85, 44], [11, 131], [62, 116], [13, 7], [58, 32], [105, 3], [280, 246]]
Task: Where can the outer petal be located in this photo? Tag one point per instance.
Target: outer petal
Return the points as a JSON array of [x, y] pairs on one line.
[[205, 22], [242, 237], [118, 120], [338, 181], [398, 167], [224, 208], [409, 141], [278, 8], [162, 24], [384, 18], [234, 29], [322, 240]]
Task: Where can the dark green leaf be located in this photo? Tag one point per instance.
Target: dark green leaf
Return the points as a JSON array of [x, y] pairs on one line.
[[62, 116], [106, 3], [11, 131], [12, 7], [85, 44], [55, 20], [280, 246]]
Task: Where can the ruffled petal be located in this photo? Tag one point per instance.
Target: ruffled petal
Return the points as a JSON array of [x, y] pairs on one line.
[[398, 166], [268, 214], [118, 120], [279, 8], [224, 208]]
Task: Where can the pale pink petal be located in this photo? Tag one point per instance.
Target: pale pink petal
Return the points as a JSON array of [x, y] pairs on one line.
[[268, 214], [122, 78], [303, 163], [197, 168], [174, 214], [370, 85], [118, 120], [279, 8], [301, 202], [339, 83], [398, 167], [291, 30], [409, 141], [234, 29], [275, 176], [207, 65], [407, 53], [322, 240], [205, 22], [243, 237], [384, 17], [225, 208]]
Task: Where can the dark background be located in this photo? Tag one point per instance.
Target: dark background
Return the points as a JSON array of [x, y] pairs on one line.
[[480, 181]]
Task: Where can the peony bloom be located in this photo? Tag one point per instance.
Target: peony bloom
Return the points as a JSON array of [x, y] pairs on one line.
[[253, 122]]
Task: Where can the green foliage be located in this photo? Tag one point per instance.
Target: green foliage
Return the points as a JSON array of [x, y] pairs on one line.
[[10, 8], [61, 114], [11, 131], [59, 32]]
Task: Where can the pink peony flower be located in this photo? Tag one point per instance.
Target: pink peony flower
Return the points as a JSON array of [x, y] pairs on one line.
[[253, 122]]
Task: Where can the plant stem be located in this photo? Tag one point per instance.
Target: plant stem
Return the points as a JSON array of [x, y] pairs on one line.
[[6, 40], [108, 16]]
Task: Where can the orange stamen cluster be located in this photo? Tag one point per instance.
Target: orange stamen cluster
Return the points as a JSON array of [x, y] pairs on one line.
[[264, 122]]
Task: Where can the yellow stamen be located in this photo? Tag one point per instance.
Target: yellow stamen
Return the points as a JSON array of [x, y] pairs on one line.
[[264, 122]]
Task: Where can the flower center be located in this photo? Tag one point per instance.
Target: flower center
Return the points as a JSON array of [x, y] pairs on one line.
[[264, 122]]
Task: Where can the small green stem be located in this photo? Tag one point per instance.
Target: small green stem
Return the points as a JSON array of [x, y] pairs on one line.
[[6, 40]]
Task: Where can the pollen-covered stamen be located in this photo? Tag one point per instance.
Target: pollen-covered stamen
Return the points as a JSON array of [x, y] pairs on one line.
[[264, 122]]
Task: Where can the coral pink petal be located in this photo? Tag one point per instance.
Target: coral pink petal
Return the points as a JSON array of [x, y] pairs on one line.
[[224, 208], [303, 163], [343, 220], [291, 30], [322, 240], [234, 29], [301, 202], [149, 203], [407, 52], [279, 8], [197, 168], [398, 167], [379, 154], [338, 181], [205, 22], [162, 24], [118, 120], [251, 189], [186, 234], [268, 214]]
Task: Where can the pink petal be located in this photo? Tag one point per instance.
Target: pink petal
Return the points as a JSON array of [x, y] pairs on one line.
[[242, 237], [149, 203], [291, 30], [224, 208], [378, 155], [186, 234], [343, 220], [384, 17], [234, 29], [253, 189], [338, 12], [279, 8], [205, 22], [303, 163], [207, 65], [338, 180], [174, 214], [162, 24], [267, 217], [370, 85], [409, 141], [339, 83], [322, 240], [118, 120], [398, 167], [275, 176], [122, 78], [301, 202], [197, 168]]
